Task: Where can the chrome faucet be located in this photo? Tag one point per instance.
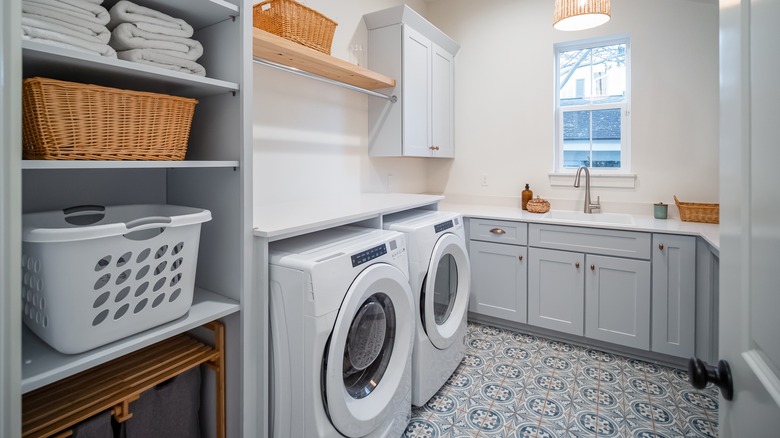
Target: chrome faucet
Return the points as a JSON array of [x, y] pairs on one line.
[[588, 206]]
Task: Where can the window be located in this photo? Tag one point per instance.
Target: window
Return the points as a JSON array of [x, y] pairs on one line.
[[592, 105]]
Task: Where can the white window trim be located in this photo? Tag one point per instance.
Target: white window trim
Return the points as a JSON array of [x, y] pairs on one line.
[[625, 149]]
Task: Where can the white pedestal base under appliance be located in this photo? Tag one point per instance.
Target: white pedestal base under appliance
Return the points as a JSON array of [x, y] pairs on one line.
[[341, 330], [440, 277]]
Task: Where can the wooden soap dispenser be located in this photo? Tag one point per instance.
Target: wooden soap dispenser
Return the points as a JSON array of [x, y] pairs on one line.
[[527, 195]]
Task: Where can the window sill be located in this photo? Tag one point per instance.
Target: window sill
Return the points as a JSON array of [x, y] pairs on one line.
[[623, 181]]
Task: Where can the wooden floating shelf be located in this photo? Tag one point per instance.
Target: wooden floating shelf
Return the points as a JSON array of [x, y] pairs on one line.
[[56, 408], [281, 51]]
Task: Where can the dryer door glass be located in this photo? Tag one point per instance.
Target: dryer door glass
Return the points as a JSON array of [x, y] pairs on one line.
[[445, 294], [445, 288], [369, 345]]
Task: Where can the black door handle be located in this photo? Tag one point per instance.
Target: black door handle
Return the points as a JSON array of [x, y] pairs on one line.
[[720, 376]]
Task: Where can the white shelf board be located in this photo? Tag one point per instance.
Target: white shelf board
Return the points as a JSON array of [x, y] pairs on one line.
[[198, 13], [289, 219], [78, 164], [42, 364], [70, 65]]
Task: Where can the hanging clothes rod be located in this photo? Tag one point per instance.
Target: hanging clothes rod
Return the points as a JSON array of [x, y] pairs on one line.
[[300, 72]]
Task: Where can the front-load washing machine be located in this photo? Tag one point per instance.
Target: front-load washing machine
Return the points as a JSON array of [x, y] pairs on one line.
[[341, 334], [440, 277]]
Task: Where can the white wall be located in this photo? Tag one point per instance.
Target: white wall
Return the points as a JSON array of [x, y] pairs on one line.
[[504, 100], [311, 138]]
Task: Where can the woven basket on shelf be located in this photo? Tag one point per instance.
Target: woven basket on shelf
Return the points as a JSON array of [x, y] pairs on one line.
[[71, 121], [695, 212], [295, 22]]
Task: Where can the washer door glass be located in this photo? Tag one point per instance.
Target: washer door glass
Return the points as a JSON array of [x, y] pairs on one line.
[[445, 295], [369, 345], [445, 288], [366, 367]]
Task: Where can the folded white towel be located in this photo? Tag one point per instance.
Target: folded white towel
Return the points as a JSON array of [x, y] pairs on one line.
[[127, 36], [47, 13], [59, 40], [87, 34], [148, 20], [160, 59], [69, 8]]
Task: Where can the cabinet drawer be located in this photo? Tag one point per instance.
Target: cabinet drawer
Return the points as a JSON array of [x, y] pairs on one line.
[[488, 230], [590, 240]]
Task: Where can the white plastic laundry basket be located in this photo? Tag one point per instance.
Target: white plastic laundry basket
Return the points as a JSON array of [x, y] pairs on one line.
[[94, 274]]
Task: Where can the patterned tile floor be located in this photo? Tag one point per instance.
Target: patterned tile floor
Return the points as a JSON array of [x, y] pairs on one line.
[[516, 385]]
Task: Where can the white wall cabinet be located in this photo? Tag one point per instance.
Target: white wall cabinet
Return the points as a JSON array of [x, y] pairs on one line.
[[674, 294], [216, 175], [403, 45], [498, 256]]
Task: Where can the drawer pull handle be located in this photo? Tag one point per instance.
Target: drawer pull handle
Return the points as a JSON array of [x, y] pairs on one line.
[[577, 265], [592, 267], [498, 231], [661, 246], [520, 258]]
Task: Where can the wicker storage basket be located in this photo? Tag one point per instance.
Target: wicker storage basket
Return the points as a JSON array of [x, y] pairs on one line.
[[695, 212], [72, 121], [538, 205], [295, 22]]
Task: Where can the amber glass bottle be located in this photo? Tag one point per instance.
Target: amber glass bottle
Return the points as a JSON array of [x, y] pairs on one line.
[[526, 196]]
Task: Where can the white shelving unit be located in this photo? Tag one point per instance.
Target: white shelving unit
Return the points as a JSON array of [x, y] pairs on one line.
[[42, 364], [216, 175]]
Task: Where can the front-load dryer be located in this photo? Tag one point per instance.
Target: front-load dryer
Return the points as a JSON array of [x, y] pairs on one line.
[[440, 277], [341, 334]]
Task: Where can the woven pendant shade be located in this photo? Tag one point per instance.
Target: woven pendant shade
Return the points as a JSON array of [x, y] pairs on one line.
[[580, 14]]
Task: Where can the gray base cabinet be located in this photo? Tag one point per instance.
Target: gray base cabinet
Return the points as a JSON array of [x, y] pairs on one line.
[[498, 279], [674, 294], [617, 301], [629, 288], [555, 290]]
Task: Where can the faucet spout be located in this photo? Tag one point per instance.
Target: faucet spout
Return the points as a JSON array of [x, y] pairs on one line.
[[589, 207]]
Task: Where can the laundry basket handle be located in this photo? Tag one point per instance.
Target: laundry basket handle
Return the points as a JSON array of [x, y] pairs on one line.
[[83, 208], [149, 222]]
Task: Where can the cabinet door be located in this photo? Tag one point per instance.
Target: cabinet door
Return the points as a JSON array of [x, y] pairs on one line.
[[416, 94], [617, 300], [498, 280], [674, 294], [442, 118], [555, 290]]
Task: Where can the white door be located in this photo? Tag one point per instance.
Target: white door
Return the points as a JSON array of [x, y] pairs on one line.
[[750, 216], [369, 351], [416, 94], [442, 107], [445, 294]]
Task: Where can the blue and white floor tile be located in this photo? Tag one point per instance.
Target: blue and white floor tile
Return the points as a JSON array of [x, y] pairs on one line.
[[514, 385]]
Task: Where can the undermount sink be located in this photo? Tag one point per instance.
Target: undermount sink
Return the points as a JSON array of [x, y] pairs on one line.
[[592, 218]]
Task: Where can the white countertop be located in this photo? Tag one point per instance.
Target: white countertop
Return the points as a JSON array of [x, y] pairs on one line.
[[288, 219], [710, 232]]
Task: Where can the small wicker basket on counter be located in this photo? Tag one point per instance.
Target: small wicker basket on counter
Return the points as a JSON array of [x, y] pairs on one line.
[[697, 212], [538, 205], [295, 22], [72, 121]]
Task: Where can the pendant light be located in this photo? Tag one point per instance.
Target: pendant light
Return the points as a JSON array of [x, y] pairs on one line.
[[580, 14]]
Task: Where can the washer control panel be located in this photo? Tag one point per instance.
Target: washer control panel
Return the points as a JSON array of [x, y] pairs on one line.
[[369, 254], [438, 228]]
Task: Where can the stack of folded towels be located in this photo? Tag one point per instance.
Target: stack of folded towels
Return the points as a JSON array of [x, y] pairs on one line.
[[147, 36], [72, 24]]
